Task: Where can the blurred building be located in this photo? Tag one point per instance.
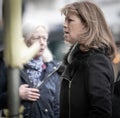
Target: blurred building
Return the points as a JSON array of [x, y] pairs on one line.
[[111, 9], [48, 12]]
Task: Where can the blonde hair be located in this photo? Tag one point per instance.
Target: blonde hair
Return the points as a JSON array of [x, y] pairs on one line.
[[97, 34]]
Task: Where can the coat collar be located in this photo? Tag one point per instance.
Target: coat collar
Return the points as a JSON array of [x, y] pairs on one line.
[[76, 53]]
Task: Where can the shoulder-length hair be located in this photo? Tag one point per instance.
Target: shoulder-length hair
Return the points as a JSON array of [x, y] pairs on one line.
[[97, 33]]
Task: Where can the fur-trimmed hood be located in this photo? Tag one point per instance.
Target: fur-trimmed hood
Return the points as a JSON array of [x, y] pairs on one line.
[[47, 55]]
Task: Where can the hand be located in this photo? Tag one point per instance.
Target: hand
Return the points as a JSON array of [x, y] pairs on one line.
[[26, 93]]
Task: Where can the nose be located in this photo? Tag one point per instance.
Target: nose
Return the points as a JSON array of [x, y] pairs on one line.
[[41, 41], [65, 24]]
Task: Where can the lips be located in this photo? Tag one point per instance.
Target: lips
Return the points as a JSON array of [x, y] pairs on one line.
[[41, 50], [66, 33]]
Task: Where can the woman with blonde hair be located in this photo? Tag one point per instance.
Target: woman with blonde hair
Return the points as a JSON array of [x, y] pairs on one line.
[[87, 82]]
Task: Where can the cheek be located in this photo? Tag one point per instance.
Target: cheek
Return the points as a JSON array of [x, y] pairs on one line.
[[74, 34], [45, 44], [79, 31], [32, 42], [74, 30]]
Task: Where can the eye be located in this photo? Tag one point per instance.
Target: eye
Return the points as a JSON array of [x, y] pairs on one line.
[[34, 38], [70, 20], [44, 38]]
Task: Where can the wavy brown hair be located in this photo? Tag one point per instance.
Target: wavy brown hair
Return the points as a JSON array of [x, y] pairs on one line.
[[97, 33]]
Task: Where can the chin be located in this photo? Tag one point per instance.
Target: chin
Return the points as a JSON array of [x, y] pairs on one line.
[[67, 42], [39, 54]]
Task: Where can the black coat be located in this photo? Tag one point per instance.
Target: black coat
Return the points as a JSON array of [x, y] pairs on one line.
[[116, 98], [3, 82], [87, 85]]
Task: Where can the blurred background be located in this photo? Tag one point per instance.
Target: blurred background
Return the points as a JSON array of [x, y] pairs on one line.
[[47, 12]]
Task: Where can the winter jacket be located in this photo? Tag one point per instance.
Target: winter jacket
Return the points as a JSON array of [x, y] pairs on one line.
[[87, 85], [47, 106], [116, 98]]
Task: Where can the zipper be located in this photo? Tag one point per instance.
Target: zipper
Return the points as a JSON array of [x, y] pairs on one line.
[[42, 82], [39, 85], [69, 100]]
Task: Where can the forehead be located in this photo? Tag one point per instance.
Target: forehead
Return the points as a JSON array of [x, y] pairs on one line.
[[40, 31], [71, 14]]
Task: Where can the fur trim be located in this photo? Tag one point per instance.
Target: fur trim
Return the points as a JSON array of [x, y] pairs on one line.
[[47, 55]]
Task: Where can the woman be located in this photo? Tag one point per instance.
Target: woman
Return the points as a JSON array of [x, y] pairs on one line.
[[40, 83], [39, 90], [87, 84]]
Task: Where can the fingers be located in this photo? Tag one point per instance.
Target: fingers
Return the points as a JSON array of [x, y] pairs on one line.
[[33, 90], [25, 85], [23, 90], [26, 93], [33, 94]]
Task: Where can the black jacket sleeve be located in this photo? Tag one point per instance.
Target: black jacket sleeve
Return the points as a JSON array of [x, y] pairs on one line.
[[100, 86]]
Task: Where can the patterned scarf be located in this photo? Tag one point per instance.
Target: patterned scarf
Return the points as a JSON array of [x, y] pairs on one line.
[[34, 69]]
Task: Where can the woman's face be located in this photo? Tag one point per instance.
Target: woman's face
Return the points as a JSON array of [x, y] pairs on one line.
[[40, 35], [73, 28]]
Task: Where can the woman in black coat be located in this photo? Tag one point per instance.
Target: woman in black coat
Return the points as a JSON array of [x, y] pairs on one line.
[[87, 82]]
